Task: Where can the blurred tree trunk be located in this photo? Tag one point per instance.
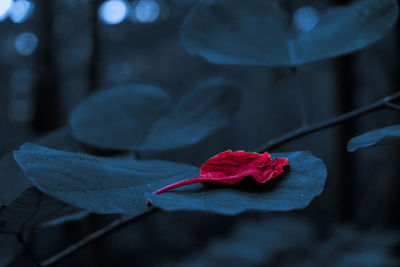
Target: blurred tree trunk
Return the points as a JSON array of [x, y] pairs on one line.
[[95, 57], [345, 101], [47, 112]]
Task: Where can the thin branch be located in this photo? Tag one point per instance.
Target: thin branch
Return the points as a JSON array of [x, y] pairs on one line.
[[27, 249], [302, 131], [103, 232], [393, 106]]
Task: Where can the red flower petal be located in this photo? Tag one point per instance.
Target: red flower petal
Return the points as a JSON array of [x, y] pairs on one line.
[[232, 167]]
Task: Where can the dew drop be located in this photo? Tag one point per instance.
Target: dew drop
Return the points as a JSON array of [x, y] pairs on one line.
[[305, 18]]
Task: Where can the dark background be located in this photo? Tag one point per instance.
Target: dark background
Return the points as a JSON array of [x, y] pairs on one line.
[[59, 52]]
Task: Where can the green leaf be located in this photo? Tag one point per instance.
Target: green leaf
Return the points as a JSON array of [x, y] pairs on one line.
[[118, 118], [101, 185], [382, 136], [140, 118], [12, 178], [294, 190], [31, 209], [22, 207], [261, 32]]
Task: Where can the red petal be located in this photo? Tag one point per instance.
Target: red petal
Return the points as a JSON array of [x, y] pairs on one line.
[[231, 167]]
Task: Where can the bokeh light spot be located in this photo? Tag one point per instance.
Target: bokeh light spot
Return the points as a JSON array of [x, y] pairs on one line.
[[305, 18], [113, 11], [147, 11], [26, 43], [4, 8], [20, 10]]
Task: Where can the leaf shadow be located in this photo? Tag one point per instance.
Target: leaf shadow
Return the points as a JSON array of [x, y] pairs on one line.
[[247, 185]]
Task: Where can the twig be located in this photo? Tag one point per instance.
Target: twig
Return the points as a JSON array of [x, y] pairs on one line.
[[392, 106], [302, 131], [103, 232], [28, 251]]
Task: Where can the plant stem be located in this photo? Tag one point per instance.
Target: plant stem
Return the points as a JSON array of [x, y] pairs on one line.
[[393, 106], [181, 183], [382, 103], [28, 251], [103, 232]]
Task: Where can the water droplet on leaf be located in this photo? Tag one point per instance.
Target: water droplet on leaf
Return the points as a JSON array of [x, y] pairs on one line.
[[305, 18]]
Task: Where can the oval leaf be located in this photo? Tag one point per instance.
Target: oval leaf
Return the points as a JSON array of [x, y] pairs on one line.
[[118, 118], [202, 111], [259, 32], [31, 209], [12, 178], [101, 185], [137, 118], [294, 190], [383, 136]]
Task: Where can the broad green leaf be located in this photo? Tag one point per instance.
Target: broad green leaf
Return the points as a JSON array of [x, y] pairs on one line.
[[261, 32], [141, 118], [118, 118], [100, 185], [295, 189], [31, 209], [383, 136], [12, 178]]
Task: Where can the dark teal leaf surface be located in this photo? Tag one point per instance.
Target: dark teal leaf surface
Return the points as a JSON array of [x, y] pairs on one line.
[[261, 32], [295, 189], [383, 136], [9, 248], [31, 209], [142, 118], [119, 118], [12, 178], [101, 185]]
